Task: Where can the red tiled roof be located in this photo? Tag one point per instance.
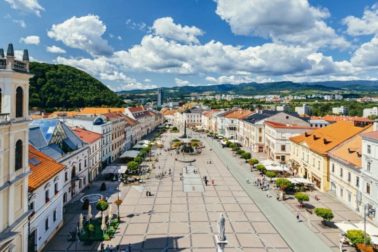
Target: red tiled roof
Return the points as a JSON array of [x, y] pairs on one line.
[[322, 140], [130, 121], [371, 135], [42, 167], [136, 109], [86, 135], [333, 118], [285, 126]]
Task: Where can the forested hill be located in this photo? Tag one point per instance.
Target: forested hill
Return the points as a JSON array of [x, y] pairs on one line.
[[64, 87]]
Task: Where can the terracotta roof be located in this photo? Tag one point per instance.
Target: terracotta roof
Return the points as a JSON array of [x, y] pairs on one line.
[[210, 112], [371, 135], [333, 118], [63, 113], [238, 114], [98, 111], [42, 167], [322, 140], [286, 126], [349, 152], [130, 121], [86, 135], [136, 109], [168, 112]]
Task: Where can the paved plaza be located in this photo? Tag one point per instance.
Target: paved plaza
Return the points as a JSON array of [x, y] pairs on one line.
[[174, 220]]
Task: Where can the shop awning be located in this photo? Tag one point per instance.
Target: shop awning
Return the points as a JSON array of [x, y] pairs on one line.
[[114, 169], [130, 154]]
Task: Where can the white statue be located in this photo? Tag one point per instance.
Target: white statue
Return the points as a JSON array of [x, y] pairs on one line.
[[89, 212], [221, 228], [81, 220]]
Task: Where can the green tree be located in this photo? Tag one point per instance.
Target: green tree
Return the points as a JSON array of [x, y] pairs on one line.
[[102, 205], [325, 213], [261, 167], [357, 236], [301, 197], [270, 174], [253, 161], [283, 183], [132, 166], [246, 155]]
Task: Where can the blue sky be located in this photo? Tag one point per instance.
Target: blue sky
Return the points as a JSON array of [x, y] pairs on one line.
[[131, 44]]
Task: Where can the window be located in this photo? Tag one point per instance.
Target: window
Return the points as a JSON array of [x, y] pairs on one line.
[[47, 224], [47, 198], [368, 166], [31, 206], [80, 166], [349, 177], [65, 176], [54, 215], [369, 149], [349, 196], [357, 181], [1, 96], [341, 192], [283, 147], [341, 172], [18, 155], [367, 188], [56, 188], [19, 102], [85, 163], [333, 168]]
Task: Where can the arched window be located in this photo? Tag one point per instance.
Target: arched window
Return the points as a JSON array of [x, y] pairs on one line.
[[18, 155], [19, 102], [73, 172]]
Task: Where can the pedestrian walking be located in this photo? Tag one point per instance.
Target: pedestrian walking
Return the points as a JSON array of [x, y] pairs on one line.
[[298, 217]]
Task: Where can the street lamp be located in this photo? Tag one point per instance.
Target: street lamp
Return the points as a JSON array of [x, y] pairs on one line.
[[368, 212], [118, 202]]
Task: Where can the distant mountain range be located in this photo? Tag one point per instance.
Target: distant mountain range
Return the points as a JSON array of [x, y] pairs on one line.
[[283, 87]]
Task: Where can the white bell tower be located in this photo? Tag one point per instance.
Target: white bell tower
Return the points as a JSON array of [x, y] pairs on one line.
[[14, 169]]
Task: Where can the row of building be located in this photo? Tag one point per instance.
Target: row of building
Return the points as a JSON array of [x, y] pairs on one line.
[[338, 154], [47, 160]]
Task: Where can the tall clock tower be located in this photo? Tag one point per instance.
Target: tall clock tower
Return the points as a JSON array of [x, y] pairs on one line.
[[14, 169]]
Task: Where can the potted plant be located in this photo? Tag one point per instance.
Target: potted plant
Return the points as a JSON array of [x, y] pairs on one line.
[[301, 197], [246, 155], [358, 239], [261, 168], [325, 213]]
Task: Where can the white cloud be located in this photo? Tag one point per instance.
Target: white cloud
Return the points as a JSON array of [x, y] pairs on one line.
[[83, 33], [31, 40], [137, 26], [26, 5], [165, 27], [179, 82], [20, 22], [365, 54], [231, 79], [287, 21], [221, 63], [55, 49], [366, 25]]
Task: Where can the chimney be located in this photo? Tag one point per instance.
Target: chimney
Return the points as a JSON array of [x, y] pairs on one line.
[[1, 53], [25, 57], [10, 51]]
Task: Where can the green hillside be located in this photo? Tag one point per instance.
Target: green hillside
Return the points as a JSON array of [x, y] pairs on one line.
[[64, 87]]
